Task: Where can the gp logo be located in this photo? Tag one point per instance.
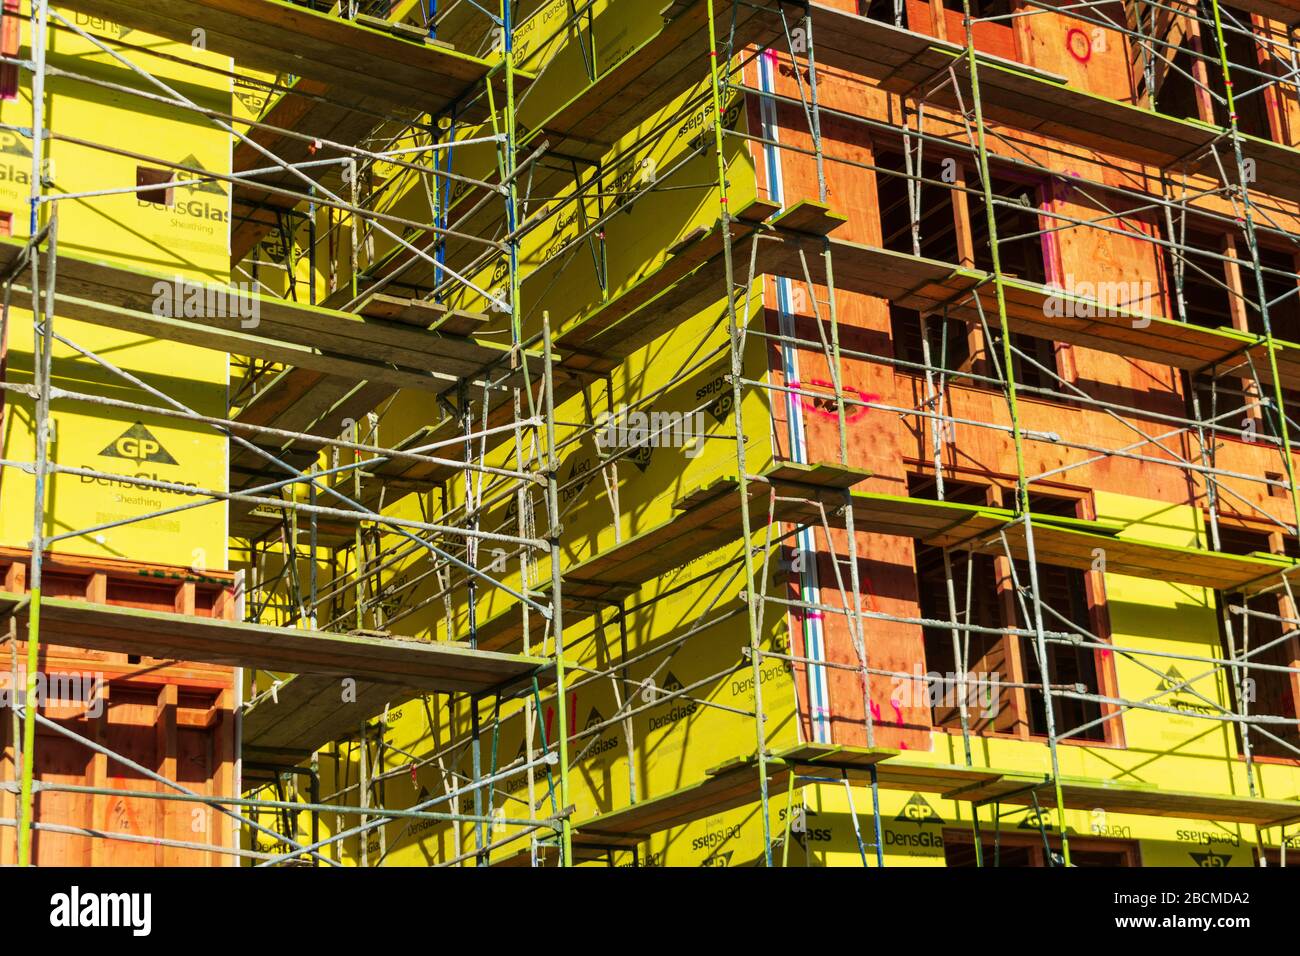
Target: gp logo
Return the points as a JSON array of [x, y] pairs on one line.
[[139, 445]]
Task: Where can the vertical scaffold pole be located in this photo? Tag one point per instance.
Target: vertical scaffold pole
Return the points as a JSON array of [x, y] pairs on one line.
[[1252, 242], [737, 377], [43, 335], [1022, 484], [557, 605], [1239, 676], [43, 344]]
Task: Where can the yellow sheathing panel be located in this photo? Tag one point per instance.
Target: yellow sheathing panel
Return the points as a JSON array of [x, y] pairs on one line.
[[1165, 752], [188, 240], [677, 741], [1171, 618], [646, 487]]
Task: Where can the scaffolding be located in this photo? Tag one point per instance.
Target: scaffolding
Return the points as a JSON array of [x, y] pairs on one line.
[[331, 564], [424, 346]]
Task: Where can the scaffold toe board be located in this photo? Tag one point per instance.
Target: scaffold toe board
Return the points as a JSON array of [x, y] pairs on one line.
[[731, 785], [1117, 796], [1282, 11], [814, 760], [708, 519], [290, 38], [223, 317], [422, 664], [1067, 542], [639, 84], [1038, 102], [735, 784], [932, 287]]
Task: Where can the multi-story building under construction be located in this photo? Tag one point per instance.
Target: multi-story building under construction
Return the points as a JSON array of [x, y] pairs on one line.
[[580, 433]]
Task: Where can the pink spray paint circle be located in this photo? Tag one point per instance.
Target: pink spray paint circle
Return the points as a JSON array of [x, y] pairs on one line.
[[1082, 53]]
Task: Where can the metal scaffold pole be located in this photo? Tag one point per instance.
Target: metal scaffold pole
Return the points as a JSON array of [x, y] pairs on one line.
[[751, 584], [557, 605], [42, 363], [1257, 271], [1023, 510], [538, 222]]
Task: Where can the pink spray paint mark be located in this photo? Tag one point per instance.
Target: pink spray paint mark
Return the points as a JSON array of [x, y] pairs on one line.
[[1071, 36], [817, 405]]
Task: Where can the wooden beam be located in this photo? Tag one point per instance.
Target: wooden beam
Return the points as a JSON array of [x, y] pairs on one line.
[[404, 662]]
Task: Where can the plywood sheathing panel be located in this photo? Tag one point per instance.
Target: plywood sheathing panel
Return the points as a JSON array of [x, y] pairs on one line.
[[694, 277], [159, 713], [872, 438], [1037, 102]]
